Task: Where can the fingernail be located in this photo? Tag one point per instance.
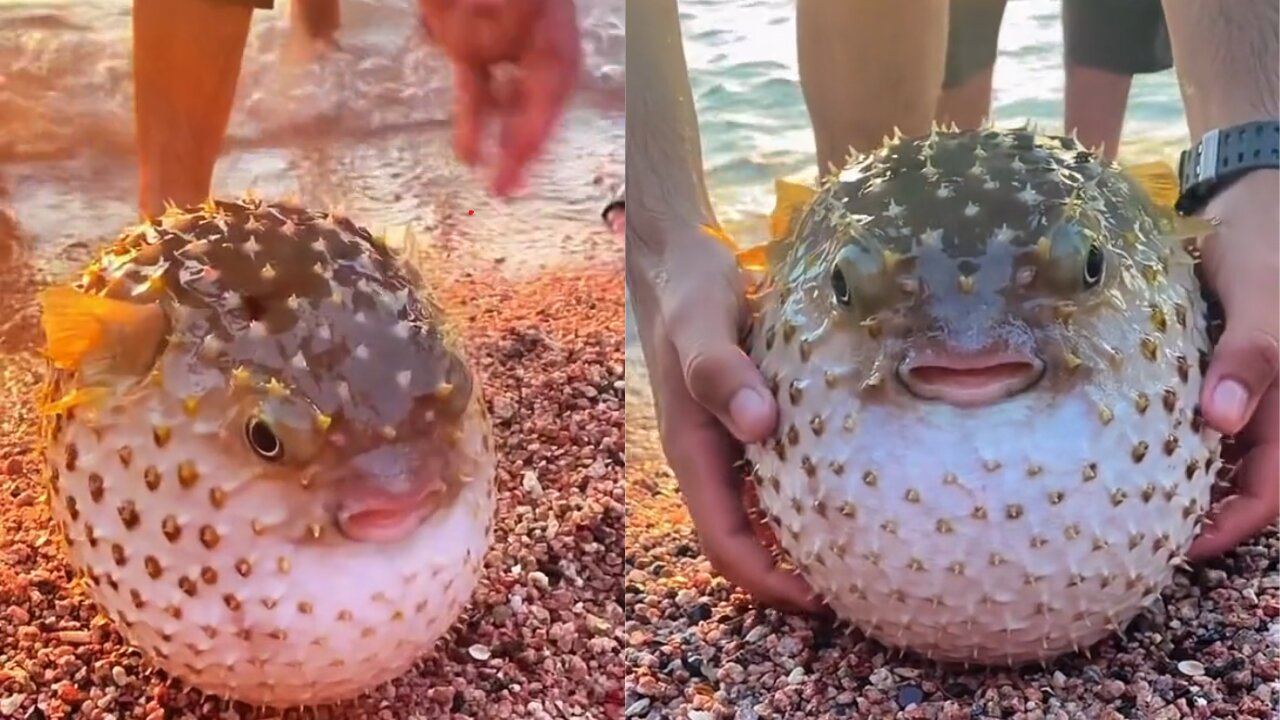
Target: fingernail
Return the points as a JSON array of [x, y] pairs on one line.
[[1231, 398], [746, 409]]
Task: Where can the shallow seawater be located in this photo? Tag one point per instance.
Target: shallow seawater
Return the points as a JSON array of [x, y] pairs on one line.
[[754, 125], [366, 129]]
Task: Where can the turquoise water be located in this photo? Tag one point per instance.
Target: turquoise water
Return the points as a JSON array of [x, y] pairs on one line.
[[742, 65]]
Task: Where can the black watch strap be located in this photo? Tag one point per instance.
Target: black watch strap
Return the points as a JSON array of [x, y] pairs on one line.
[[1223, 156]]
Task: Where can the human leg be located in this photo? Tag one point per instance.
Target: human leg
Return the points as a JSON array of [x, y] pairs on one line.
[[1105, 44], [867, 66], [320, 19], [186, 63], [972, 40]]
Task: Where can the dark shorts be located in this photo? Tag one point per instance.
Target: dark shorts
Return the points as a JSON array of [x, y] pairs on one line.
[[1125, 37]]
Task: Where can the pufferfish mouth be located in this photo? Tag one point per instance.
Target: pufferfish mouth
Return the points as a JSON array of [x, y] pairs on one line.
[[969, 379], [374, 516]]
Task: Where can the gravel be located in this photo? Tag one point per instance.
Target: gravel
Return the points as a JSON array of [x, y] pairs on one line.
[[697, 648], [543, 636]]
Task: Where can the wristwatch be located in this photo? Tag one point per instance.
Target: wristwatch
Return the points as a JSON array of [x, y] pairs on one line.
[[1223, 156]]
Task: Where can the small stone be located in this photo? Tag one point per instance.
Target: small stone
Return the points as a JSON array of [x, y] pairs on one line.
[[731, 672], [9, 703], [479, 652], [74, 637], [909, 695], [1214, 578], [1191, 668], [638, 707], [700, 612], [529, 481], [1111, 689]]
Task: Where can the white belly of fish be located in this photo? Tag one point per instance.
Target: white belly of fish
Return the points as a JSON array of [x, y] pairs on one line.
[[257, 618], [1005, 534]]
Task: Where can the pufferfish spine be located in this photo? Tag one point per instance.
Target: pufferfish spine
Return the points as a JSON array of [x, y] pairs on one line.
[[983, 347], [267, 452]]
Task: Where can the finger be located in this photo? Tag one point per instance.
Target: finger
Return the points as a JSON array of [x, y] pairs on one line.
[[472, 102], [702, 456], [1246, 360], [550, 71], [1258, 503], [1243, 516], [719, 375]]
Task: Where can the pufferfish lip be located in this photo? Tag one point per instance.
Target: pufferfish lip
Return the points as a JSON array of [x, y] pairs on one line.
[[382, 517], [969, 379]]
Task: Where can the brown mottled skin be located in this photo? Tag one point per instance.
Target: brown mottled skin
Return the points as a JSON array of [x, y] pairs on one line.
[[997, 239], [266, 453], [982, 346], [305, 316]]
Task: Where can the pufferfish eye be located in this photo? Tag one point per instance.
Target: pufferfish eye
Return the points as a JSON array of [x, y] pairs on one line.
[[1094, 263], [840, 286], [262, 439]]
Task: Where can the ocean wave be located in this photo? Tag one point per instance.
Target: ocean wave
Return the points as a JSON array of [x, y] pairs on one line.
[[66, 84]]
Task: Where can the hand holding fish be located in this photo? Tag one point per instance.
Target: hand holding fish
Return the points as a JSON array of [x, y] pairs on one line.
[[540, 39], [709, 397], [1240, 397]]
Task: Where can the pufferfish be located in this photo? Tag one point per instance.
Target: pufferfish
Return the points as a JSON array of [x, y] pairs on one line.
[[267, 453], [986, 349]]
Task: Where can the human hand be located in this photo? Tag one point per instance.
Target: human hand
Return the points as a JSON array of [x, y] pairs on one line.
[[689, 304], [540, 39], [1240, 396]]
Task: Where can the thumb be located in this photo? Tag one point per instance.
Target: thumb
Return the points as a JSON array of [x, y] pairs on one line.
[[1243, 365], [719, 374]]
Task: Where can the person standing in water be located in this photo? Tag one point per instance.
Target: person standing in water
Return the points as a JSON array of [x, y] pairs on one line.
[[186, 64], [865, 67], [1105, 44]]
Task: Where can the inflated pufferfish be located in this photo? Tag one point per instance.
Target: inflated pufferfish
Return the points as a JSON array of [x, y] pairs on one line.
[[987, 349], [265, 451]]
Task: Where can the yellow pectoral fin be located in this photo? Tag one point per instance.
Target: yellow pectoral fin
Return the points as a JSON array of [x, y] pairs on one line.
[[1159, 181], [754, 259], [79, 396], [79, 326], [792, 198], [71, 327]]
